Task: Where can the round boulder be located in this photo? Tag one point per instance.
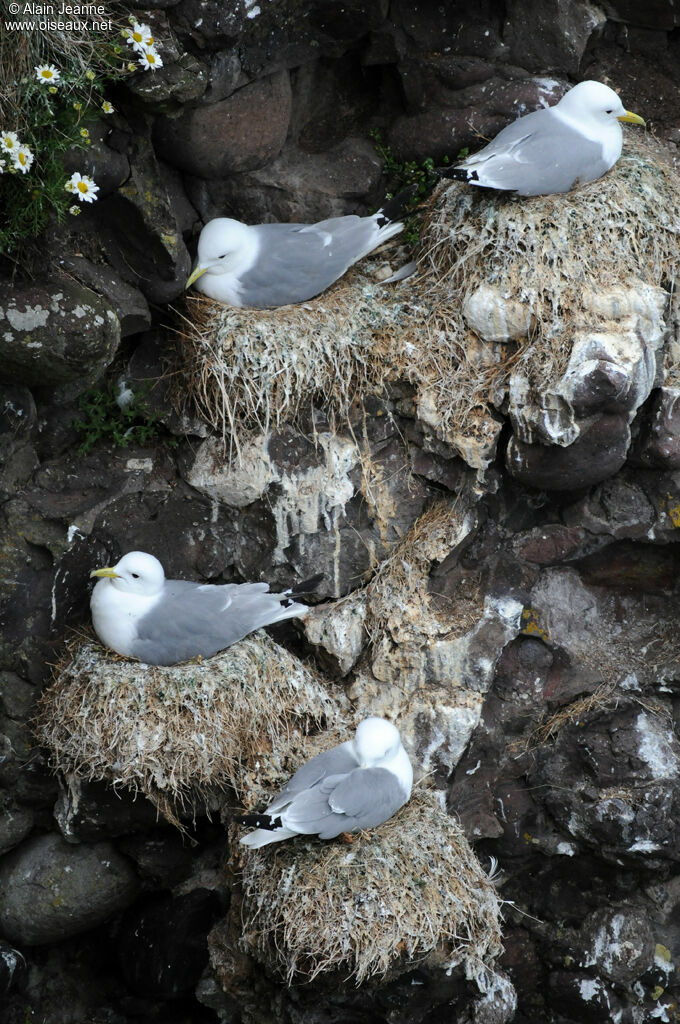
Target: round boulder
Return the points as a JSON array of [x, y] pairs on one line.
[[50, 889], [56, 334]]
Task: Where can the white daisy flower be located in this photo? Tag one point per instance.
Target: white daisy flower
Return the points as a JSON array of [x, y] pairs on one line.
[[108, 108], [22, 158], [83, 187], [139, 37], [150, 60], [74, 210], [47, 73], [9, 142]]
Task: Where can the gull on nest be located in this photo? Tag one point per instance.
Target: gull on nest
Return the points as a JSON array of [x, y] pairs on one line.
[[138, 613], [356, 785]]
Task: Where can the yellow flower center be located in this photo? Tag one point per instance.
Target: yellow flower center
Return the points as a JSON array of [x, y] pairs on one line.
[[82, 186], [21, 157], [46, 73], [151, 59], [138, 37], [9, 142]]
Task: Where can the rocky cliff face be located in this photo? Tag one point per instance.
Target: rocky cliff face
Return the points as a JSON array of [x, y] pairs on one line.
[[485, 470]]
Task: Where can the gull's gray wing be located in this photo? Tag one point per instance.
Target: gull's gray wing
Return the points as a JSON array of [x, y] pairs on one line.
[[194, 618], [336, 762], [298, 261], [537, 154], [364, 798]]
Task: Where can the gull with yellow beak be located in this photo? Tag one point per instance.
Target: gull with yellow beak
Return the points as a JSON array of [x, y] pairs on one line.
[[357, 785], [553, 149], [263, 266], [138, 613]]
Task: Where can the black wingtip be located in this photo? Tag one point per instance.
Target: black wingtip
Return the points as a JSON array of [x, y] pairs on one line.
[[457, 173], [395, 208], [307, 586], [264, 821]]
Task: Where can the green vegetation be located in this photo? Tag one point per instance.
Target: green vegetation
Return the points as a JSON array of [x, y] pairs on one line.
[[51, 92], [403, 174], [103, 419]]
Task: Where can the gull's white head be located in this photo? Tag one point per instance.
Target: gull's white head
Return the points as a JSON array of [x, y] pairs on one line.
[[136, 573], [376, 740], [594, 101], [221, 245]]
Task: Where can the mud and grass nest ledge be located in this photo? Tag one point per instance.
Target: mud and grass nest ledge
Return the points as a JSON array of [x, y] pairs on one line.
[[257, 369], [408, 892], [177, 734]]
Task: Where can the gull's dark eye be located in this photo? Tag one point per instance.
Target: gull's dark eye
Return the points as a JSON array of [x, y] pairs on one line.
[[609, 111], [135, 575]]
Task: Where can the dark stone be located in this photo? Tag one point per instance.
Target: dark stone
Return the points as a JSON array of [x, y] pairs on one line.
[[89, 811], [138, 230], [127, 302], [658, 441], [606, 387], [163, 857], [162, 944], [150, 376], [619, 508], [25, 599], [18, 416], [598, 453], [16, 696], [12, 968], [430, 22], [460, 118], [108, 167], [618, 942], [627, 565], [296, 187], [218, 139], [182, 81], [550, 544], [15, 824], [542, 39], [186, 216], [50, 890], [613, 783], [661, 15], [57, 334], [578, 996], [208, 23], [226, 76]]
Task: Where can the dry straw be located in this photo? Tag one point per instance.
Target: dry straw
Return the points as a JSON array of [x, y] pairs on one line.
[[410, 889], [259, 369], [176, 734]]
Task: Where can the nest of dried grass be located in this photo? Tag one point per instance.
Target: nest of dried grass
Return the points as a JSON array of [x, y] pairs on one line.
[[256, 369], [178, 733], [545, 252], [408, 890]]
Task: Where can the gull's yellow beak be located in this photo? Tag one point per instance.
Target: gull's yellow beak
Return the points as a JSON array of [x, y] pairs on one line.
[[105, 574], [194, 275], [631, 118]]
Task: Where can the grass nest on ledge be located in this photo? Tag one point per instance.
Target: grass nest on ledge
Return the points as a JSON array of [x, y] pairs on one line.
[[257, 369], [409, 891], [176, 734]]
